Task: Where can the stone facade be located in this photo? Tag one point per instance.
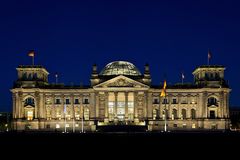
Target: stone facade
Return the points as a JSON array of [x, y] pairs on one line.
[[120, 94]]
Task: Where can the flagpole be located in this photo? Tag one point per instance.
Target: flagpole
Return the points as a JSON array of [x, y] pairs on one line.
[[82, 118], [73, 120], [165, 112], [33, 60], [65, 129], [65, 110]]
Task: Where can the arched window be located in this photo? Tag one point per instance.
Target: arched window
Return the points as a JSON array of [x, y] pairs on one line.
[[174, 113], [212, 101], [35, 76], [30, 76], [24, 76], [193, 113], [29, 102], [86, 114], [154, 114], [184, 114]]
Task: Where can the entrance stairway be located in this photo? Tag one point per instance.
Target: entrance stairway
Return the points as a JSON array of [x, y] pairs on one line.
[[121, 128]]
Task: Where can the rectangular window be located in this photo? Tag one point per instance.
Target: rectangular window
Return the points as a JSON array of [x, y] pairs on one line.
[[76, 101], [155, 101], [67, 101], [174, 101], [175, 125], [212, 115], [86, 101], [29, 115], [165, 101], [58, 101]]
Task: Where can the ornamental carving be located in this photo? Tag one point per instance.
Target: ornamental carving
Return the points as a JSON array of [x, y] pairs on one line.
[[121, 83]]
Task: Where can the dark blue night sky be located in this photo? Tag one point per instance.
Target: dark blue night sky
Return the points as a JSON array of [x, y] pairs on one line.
[[70, 36]]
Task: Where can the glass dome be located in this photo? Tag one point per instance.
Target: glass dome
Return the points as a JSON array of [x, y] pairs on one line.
[[120, 68]]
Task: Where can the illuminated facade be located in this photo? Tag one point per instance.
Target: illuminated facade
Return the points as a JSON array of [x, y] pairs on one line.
[[120, 95]]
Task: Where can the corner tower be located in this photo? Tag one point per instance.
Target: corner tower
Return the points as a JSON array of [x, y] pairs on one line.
[[31, 76], [210, 76]]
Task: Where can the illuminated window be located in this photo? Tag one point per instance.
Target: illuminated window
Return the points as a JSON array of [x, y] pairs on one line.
[[29, 115], [130, 106], [154, 114], [111, 110], [57, 125], [121, 106], [67, 125], [86, 114], [184, 125], [193, 125], [76, 125]]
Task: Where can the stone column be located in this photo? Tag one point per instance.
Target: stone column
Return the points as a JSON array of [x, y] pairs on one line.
[[204, 105], [40, 105], [149, 106], [92, 106], [226, 105], [126, 105], [145, 105], [44, 111], [115, 106], [62, 106], [20, 105], [220, 107], [53, 108], [161, 107], [97, 106], [178, 106], [106, 107], [72, 104], [135, 107], [81, 105], [14, 105]]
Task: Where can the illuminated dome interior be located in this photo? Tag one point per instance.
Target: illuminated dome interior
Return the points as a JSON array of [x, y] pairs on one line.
[[120, 68]]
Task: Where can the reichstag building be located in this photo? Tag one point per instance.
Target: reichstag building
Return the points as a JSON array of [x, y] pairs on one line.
[[120, 95]]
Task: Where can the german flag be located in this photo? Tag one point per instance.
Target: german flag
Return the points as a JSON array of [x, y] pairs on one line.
[[163, 93], [31, 53]]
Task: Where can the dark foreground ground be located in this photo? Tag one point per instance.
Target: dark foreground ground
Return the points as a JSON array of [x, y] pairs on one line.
[[121, 145], [211, 140]]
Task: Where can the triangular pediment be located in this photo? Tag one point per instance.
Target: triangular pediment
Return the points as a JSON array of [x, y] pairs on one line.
[[121, 81]]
